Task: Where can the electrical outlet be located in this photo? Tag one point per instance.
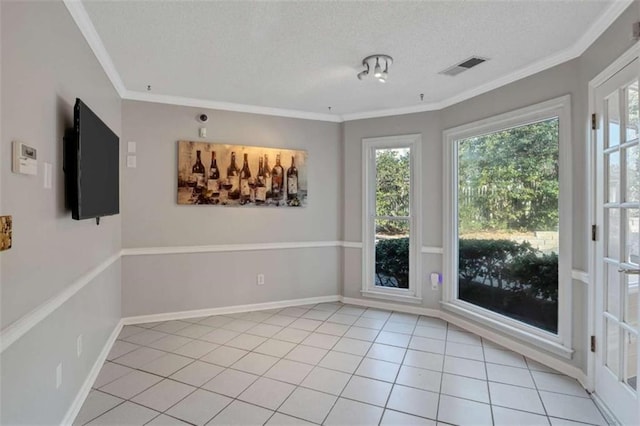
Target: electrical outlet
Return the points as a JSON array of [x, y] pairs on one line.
[[59, 376], [436, 279], [79, 345], [260, 279]]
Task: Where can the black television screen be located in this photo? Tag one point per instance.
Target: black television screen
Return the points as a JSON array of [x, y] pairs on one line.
[[91, 166]]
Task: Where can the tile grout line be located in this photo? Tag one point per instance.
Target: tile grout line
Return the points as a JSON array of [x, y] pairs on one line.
[[393, 385], [486, 372], [247, 317], [198, 387]]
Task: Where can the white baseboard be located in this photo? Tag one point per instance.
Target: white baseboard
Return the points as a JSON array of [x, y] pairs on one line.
[[75, 407], [609, 415], [229, 309], [416, 310]]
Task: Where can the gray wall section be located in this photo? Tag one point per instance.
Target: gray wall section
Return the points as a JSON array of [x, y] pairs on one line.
[[46, 64], [151, 214], [152, 218], [28, 367], [183, 282], [571, 77]]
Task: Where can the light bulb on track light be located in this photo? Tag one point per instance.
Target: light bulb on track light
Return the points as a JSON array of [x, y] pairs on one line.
[[377, 70]]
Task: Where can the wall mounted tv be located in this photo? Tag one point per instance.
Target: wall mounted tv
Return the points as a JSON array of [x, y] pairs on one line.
[[91, 166]]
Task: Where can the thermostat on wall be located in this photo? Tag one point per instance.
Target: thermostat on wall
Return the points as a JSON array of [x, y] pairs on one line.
[[24, 159]]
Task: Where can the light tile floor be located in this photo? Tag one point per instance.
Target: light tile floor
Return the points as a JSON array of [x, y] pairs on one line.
[[330, 364]]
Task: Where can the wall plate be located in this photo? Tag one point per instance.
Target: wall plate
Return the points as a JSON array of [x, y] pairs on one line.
[[5, 232]]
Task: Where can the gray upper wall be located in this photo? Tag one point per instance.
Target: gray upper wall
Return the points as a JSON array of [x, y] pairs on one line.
[[151, 215], [46, 64]]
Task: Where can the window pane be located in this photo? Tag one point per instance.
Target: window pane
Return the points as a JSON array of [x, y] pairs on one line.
[[632, 111], [612, 235], [393, 177], [392, 253], [612, 331], [613, 177], [508, 186], [631, 359], [631, 311], [613, 113], [613, 290], [633, 174], [633, 236]]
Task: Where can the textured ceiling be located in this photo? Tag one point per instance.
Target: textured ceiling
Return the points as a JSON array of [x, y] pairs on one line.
[[305, 55]]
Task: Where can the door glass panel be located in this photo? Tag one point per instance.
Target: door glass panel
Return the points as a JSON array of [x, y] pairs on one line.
[[613, 290], [613, 114], [613, 169], [630, 359], [508, 186], [632, 111], [612, 331], [633, 174], [633, 236], [393, 177], [392, 253], [632, 299], [612, 235]]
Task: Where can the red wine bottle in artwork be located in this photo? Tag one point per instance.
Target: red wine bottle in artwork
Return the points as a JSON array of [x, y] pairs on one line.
[[245, 181], [233, 178], [198, 172], [214, 175], [277, 180], [267, 176], [261, 183], [292, 181]]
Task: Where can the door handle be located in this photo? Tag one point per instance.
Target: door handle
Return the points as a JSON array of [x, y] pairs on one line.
[[629, 271]]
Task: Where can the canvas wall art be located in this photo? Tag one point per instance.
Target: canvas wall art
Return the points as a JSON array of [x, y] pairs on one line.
[[235, 175]]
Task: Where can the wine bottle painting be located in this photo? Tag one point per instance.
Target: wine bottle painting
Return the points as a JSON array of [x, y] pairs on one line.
[[235, 175]]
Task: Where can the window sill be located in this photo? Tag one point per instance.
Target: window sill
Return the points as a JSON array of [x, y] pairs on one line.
[[535, 340], [391, 296]]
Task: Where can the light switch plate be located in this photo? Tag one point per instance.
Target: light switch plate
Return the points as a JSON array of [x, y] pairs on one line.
[[131, 147], [5, 232], [131, 161]]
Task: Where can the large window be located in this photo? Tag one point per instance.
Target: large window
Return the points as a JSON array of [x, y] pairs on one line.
[[390, 263], [506, 243]]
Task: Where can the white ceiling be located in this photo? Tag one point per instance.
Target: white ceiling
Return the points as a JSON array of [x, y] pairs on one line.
[[304, 56]]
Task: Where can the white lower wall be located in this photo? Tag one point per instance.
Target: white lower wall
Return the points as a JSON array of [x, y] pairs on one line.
[[28, 366], [163, 283]]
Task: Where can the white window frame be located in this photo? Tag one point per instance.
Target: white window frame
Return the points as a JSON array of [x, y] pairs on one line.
[[560, 343], [414, 293]]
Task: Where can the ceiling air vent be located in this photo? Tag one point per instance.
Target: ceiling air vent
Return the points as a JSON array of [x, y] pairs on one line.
[[463, 66]]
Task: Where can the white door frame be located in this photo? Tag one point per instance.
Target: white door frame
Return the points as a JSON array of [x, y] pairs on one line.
[[625, 59]]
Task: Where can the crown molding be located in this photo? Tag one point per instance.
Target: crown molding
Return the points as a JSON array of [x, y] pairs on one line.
[[228, 106], [84, 23]]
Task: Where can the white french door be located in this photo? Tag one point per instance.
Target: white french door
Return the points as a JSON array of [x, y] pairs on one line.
[[617, 207]]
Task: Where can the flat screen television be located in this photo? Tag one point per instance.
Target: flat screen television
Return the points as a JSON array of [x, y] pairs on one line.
[[91, 166]]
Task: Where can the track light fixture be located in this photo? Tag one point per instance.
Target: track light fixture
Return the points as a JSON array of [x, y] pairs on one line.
[[362, 74], [380, 65]]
